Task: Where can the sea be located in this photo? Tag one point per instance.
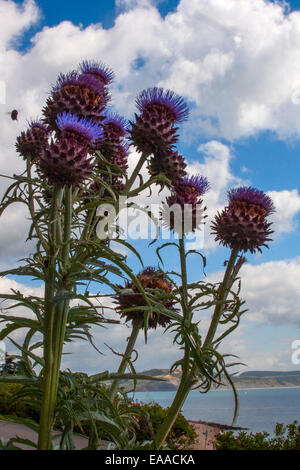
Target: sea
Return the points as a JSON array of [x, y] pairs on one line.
[[260, 409]]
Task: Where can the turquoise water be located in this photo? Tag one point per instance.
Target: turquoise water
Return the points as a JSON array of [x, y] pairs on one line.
[[260, 410]]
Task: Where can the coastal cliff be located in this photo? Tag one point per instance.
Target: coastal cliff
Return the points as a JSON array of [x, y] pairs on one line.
[[246, 380]]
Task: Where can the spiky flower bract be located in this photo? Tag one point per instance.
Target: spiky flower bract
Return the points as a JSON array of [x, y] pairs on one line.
[[183, 211], [243, 225], [30, 142], [65, 162], [154, 129], [155, 283], [99, 71], [82, 95], [83, 128], [169, 163], [115, 127], [114, 147]]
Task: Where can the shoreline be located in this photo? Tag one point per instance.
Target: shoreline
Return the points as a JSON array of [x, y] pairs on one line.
[[221, 389], [256, 388]]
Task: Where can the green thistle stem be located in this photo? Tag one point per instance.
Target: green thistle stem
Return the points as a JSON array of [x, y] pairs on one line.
[[62, 306], [46, 418], [180, 397], [222, 296], [136, 326], [136, 171], [56, 312], [31, 206], [186, 378], [89, 219]]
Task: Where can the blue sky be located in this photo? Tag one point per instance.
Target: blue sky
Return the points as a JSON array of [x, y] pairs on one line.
[[238, 70]]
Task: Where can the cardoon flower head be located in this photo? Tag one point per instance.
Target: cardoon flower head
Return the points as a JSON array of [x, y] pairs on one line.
[[169, 163], [83, 129], [154, 130], [30, 142], [158, 101], [65, 162], [191, 188], [243, 224], [115, 127], [113, 146], [183, 211], [99, 71], [154, 282], [252, 196], [82, 95]]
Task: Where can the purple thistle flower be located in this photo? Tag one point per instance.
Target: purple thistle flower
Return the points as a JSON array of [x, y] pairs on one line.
[[197, 183], [86, 129], [73, 79], [166, 100], [154, 130], [98, 70], [169, 163], [31, 141], [115, 126], [183, 211], [81, 95], [63, 80], [243, 224], [65, 161], [252, 196], [38, 125]]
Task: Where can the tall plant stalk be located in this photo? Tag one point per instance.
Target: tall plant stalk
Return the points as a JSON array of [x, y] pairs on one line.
[[136, 326], [188, 371], [56, 311]]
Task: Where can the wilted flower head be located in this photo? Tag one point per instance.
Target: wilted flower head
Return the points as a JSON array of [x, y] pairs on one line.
[[30, 142], [243, 224], [154, 282], [154, 129], [99, 71], [183, 211], [82, 95], [83, 129]]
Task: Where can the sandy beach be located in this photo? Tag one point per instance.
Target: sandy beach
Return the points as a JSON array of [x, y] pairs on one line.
[[207, 433]]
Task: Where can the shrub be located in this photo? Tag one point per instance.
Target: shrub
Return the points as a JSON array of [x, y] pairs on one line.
[[286, 438], [181, 436], [10, 406]]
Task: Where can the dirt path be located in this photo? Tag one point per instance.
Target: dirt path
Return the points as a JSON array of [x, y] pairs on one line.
[[9, 430], [206, 432]]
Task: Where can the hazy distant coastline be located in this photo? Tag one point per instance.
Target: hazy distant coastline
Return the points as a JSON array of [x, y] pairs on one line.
[[246, 381]]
